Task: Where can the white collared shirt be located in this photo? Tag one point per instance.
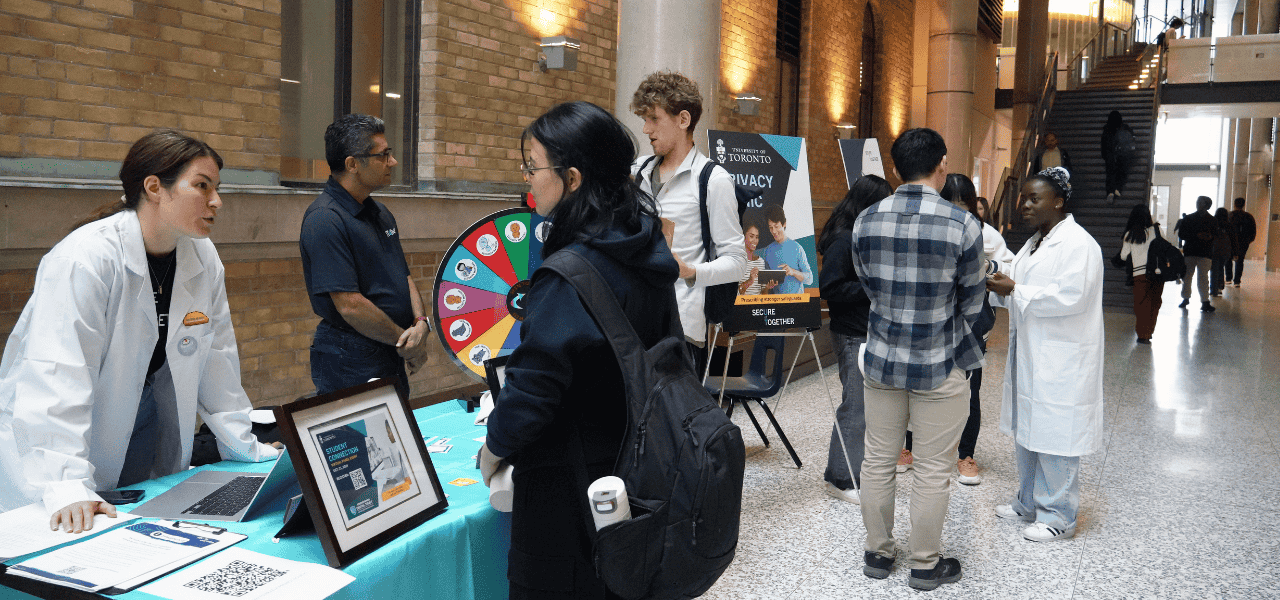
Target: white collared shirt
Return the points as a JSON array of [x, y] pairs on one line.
[[678, 202]]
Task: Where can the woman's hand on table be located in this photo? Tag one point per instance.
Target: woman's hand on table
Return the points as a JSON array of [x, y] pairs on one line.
[[78, 516]]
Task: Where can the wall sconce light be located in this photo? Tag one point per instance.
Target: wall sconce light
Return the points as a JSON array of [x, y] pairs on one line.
[[845, 131], [559, 52], [748, 104]]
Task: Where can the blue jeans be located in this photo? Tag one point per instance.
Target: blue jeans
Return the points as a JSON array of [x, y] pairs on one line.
[[141, 455], [341, 359], [1048, 487], [850, 416]]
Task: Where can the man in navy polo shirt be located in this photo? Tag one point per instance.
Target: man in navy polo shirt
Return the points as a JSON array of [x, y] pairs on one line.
[[372, 318]]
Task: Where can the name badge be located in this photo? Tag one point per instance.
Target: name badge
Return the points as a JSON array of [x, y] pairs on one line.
[[195, 317]]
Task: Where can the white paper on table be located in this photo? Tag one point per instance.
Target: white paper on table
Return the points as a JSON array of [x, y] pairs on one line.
[[247, 575], [26, 530], [126, 556]]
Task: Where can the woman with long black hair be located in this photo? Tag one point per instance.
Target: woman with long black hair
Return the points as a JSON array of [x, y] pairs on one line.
[[848, 303], [1138, 233], [563, 382]]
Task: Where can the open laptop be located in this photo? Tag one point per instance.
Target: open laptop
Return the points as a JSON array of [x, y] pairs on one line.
[[221, 495]]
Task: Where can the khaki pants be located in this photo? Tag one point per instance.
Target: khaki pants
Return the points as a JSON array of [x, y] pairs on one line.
[[936, 418]]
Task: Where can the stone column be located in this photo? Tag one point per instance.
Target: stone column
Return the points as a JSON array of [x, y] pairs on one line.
[[676, 35], [1261, 200], [1033, 35], [953, 42]]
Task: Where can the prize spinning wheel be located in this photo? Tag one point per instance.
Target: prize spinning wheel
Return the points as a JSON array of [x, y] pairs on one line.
[[481, 286]]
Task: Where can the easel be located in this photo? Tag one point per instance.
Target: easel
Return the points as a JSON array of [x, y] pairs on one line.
[[807, 334]]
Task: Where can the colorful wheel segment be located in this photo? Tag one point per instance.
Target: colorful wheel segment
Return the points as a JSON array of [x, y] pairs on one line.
[[480, 287]]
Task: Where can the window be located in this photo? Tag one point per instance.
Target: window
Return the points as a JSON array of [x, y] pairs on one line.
[[788, 47], [346, 56], [867, 74]]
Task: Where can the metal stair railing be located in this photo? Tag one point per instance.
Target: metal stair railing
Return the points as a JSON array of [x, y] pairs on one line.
[[1006, 198]]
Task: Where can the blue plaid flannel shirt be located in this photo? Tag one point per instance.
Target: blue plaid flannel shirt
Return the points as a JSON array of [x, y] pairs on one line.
[[919, 257]]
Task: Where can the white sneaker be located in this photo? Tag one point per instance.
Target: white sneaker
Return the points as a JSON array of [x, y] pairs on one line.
[[1039, 532], [1005, 511], [849, 495]]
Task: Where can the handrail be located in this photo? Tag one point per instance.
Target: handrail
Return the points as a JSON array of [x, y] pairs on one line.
[[1006, 195]]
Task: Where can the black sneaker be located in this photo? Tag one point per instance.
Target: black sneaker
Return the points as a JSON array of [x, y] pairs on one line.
[[877, 566], [1206, 307], [946, 571], [1185, 302]]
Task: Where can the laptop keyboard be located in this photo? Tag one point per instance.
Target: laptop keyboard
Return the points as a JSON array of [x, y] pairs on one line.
[[229, 499]]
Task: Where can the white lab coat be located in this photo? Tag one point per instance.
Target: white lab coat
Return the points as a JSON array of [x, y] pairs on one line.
[[1054, 372], [74, 367]]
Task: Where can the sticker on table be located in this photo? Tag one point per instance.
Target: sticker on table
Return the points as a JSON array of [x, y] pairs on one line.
[[463, 481]]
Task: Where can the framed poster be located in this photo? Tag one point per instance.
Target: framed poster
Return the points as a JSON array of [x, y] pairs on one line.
[[782, 257], [364, 471]]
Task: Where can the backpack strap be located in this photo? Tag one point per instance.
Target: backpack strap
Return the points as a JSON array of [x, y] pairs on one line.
[[640, 172], [704, 179]]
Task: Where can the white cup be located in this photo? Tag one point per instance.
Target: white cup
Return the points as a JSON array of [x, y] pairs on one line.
[[608, 498], [501, 489]]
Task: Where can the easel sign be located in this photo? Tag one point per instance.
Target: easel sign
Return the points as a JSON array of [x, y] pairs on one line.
[[861, 157], [780, 284]]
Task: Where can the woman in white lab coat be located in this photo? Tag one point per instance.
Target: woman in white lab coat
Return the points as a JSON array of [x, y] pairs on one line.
[[91, 398], [1053, 380]]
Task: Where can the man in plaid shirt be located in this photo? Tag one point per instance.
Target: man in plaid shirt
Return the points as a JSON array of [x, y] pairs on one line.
[[920, 259]]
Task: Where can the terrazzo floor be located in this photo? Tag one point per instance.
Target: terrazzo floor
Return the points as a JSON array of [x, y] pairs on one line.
[[1179, 503]]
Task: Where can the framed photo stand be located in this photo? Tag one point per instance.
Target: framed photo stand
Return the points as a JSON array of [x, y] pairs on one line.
[[365, 474]]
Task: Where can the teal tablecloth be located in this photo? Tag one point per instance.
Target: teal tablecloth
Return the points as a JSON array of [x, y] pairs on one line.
[[460, 554]]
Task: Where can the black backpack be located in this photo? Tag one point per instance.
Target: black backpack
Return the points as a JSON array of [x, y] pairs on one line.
[[1164, 261], [720, 297], [682, 459]]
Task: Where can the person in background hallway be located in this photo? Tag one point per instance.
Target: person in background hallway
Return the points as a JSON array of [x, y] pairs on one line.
[[373, 322], [1138, 233], [126, 339], [1196, 233], [1246, 230], [563, 402], [1118, 150], [1052, 403], [919, 258], [849, 304], [959, 190], [1171, 33], [1224, 250], [1052, 155], [671, 107]]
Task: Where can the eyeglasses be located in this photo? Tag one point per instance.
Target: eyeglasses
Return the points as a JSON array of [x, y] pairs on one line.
[[384, 155], [527, 171]]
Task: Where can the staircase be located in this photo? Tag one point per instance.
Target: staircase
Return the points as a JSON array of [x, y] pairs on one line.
[[1077, 118], [1117, 72]]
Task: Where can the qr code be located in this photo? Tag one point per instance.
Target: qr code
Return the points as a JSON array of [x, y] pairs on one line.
[[236, 579], [357, 480]]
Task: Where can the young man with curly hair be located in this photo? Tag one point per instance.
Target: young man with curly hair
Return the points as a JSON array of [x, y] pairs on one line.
[[671, 105]]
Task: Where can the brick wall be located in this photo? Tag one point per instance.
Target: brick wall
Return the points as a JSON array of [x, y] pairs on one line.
[[748, 63], [84, 80], [481, 86]]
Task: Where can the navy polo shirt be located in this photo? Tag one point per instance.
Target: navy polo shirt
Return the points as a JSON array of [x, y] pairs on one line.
[[348, 246]]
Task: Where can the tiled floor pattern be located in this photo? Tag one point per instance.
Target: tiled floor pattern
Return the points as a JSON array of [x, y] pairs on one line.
[[1180, 503]]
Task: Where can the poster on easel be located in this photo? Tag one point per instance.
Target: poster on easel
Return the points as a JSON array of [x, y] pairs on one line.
[[781, 277], [861, 157]]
